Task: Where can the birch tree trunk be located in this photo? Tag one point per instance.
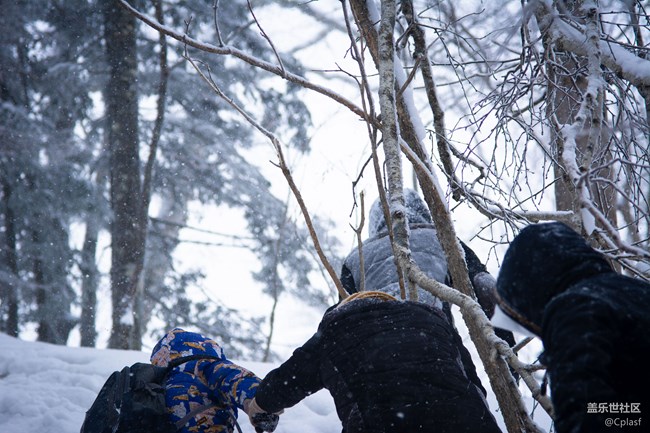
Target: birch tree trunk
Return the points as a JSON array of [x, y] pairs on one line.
[[381, 48], [584, 140]]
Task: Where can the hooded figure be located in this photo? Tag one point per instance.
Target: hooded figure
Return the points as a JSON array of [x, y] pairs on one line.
[[379, 266], [380, 269], [391, 367], [214, 381], [593, 322]]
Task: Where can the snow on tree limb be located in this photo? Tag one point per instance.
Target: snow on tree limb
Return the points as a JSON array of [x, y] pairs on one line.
[[587, 124], [623, 63]]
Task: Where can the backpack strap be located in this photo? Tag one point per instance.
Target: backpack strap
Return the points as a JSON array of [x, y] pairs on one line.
[[191, 414], [182, 360]]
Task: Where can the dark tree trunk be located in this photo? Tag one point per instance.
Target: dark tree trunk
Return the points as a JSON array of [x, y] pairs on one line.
[[8, 286], [50, 266], [122, 129]]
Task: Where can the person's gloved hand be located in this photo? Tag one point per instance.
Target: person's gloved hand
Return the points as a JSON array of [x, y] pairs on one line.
[[260, 419], [265, 422], [485, 287]]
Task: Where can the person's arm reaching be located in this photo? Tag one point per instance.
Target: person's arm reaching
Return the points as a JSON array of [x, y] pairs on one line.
[[297, 378]]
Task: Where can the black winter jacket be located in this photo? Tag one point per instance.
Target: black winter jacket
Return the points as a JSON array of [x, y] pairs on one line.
[[594, 324], [390, 367], [380, 274]]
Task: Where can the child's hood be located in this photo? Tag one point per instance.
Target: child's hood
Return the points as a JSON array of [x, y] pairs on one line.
[[178, 343]]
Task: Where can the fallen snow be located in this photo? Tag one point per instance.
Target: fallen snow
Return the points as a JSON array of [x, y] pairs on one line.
[[46, 388]]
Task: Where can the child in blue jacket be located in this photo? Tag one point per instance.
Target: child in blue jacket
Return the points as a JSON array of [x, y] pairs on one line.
[[203, 395]]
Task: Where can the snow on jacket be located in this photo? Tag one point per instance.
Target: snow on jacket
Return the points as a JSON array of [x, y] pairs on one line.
[[202, 382], [594, 324], [390, 366]]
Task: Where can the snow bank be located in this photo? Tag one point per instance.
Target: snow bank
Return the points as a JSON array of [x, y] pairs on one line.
[[46, 388]]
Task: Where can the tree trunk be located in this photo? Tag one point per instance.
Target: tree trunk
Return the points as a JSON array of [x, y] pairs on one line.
[[142, 315], [568, 81], [8, 286], [89, 275], [562, 97], [51, 263], [122, 130]]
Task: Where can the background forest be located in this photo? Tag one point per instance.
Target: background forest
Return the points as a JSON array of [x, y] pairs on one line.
[[133, 133]]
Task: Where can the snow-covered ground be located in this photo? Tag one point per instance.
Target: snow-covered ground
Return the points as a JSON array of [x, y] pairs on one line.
[[46, 388]]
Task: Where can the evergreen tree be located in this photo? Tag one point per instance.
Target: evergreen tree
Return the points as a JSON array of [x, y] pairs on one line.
[[44, 93], [60, 113]]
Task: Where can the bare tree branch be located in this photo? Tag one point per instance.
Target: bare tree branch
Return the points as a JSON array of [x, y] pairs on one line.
[[251, 60], [358, 231], [285, 171]]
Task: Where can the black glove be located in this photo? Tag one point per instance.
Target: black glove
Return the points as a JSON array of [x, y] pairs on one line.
[[485, 289], [265, 422]]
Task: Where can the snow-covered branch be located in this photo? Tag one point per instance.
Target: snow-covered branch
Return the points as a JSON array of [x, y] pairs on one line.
[[571, 38]]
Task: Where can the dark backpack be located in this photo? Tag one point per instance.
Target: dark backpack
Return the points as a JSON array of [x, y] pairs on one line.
[[133, 401]]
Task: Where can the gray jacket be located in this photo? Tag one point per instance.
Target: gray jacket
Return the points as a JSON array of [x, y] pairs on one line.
[[380, 268]]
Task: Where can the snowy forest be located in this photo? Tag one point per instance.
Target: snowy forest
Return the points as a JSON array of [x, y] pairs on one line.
[[122, 120]]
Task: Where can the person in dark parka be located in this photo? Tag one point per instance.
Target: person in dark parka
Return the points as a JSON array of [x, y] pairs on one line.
[[593, 322], [380, 272], [390, 366]]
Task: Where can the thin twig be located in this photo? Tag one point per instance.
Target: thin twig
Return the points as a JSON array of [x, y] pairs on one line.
[[265, 36], [217, 30], [285, 171], [358, 230]]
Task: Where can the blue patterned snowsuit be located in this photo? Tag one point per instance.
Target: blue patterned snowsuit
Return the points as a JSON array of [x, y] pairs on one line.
[[201, 382]]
